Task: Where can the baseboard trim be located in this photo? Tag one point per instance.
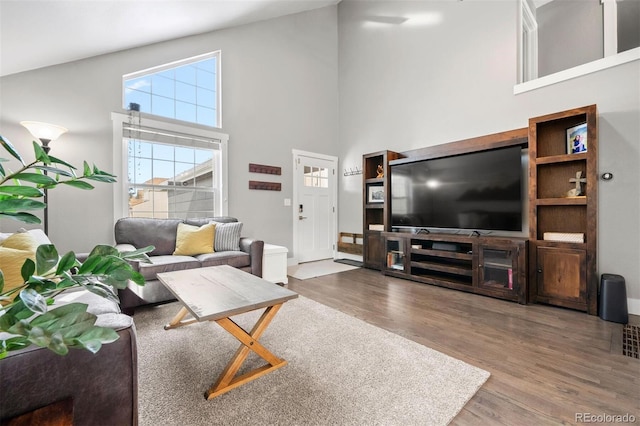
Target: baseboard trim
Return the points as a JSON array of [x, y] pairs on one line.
[[633, 306]]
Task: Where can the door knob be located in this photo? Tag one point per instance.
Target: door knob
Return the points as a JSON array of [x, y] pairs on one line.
[[301, 217]]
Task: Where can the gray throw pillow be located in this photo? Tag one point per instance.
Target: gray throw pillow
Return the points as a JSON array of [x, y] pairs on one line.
[[227, 236]]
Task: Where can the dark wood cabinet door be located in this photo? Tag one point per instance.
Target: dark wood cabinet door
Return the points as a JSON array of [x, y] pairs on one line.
[[374, 251], [562, 277]]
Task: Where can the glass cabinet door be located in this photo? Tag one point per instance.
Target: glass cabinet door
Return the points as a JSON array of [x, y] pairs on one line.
[[396, 255], [497, 269]]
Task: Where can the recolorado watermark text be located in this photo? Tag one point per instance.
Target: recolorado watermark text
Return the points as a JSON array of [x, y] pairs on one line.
[[605, 418]]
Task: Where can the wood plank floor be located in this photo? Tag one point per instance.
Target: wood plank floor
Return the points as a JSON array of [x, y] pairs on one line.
[[547, 364]]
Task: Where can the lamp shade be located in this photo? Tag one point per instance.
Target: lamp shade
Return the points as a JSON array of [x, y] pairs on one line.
[[44, 131]]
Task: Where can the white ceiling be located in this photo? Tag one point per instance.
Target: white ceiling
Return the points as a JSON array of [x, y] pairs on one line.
[[40, 33]]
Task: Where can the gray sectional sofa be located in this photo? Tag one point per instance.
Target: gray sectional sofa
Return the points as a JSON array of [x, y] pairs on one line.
[[134, 233]]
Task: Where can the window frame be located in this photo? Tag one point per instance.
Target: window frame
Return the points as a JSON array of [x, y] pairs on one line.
[[120, 158], [157, 69], [610, 60]]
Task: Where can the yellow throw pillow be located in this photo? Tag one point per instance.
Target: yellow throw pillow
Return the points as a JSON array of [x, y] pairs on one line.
[[192, 240], [21, 241], [13, 252]]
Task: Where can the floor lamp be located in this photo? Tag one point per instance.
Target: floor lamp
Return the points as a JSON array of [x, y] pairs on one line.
[[45, 133]]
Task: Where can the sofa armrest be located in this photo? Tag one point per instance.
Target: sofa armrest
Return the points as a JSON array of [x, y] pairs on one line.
[[104, 386], [255, 249]]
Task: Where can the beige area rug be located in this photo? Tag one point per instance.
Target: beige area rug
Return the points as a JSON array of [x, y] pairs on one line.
[[304, 271], [341, 371]]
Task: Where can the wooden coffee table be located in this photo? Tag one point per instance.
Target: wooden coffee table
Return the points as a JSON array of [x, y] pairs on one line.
[[218, 293]]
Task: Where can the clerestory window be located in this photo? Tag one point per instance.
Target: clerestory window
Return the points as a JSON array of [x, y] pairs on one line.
[[186, 90]]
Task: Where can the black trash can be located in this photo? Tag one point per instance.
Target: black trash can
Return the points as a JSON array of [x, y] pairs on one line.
[[612, 299]]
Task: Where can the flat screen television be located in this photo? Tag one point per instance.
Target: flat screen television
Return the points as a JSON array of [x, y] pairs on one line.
[[474, 191]]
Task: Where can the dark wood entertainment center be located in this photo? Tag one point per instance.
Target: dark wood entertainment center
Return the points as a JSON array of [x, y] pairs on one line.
[[524, 270]]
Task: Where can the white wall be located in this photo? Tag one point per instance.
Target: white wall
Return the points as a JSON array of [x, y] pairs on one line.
[[409, 86], [279, 93]]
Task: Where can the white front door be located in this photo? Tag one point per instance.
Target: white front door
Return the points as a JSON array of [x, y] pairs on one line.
[[315, 212]]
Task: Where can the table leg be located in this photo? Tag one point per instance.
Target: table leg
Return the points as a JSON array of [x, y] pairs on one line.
[[249, 341], [177, 320]]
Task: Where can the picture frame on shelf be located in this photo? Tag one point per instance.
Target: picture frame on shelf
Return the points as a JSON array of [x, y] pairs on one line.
[[375, 194], [577, 139]]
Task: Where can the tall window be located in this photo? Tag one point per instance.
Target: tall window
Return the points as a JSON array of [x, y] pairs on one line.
[[169, 170], [187, 90]]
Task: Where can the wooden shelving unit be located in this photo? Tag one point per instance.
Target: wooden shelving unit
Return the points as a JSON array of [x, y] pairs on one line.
[[563, 273], [375, 209]]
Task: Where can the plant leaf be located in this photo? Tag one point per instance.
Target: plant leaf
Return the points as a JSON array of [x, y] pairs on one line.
[[93, 339], [17, 205], [78, 184], [88, 264], [103, 291], [100, 178], [36, 178], [139, 254], [20, 190], [46, 258], [87, 169], [56, 160], [57, 344], [64, 316], [67, 262], [54, 170], [104, 250], [40, 155], [28, 268], [21, 217], [137, 278], [15, 343], [17, 312], [33, 301], [10, 149]]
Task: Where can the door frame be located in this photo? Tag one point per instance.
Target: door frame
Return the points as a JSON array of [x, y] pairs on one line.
[[296, 154]]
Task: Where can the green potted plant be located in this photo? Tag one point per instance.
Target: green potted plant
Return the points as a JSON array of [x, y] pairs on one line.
[[25, 312]]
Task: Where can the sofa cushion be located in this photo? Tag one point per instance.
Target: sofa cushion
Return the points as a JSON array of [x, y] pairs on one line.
[[228, 236], [192, 240], [237, 259], [14, 250], [141, 232], [167, 263]]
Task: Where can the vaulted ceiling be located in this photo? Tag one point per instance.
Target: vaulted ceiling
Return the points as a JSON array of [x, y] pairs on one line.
[[40, 33]]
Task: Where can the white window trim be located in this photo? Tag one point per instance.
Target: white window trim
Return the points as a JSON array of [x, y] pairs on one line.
[[528, 66], [120, 206], [217, 54], [610, 24], [580, 70]]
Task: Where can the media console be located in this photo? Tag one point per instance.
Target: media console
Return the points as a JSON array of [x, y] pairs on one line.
[[491, 266], [562, 189]]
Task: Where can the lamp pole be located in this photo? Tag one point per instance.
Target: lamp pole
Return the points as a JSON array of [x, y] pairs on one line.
[[45, 133]]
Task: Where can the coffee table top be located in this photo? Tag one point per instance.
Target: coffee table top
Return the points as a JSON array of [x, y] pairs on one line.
[[222, 291]]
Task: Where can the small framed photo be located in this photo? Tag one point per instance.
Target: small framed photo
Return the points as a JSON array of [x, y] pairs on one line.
[[577, 139], [375, 194]]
